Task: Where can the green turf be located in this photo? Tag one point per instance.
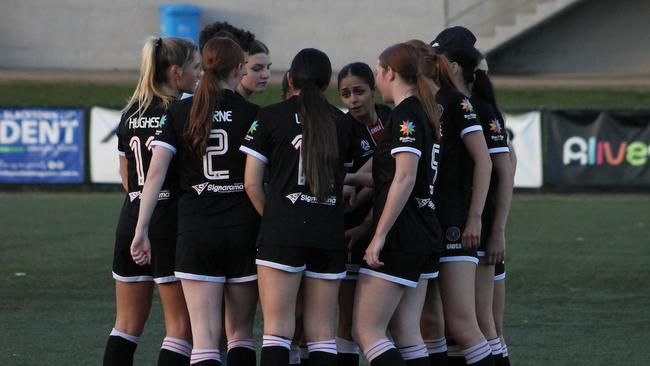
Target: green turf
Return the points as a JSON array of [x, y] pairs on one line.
[[577, 277], [115, 96]]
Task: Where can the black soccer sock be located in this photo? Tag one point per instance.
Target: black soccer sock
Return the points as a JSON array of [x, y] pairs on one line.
[[241, 352], [206, 357], [437, 349], [497, 351], [347, 352], [275, 351], [479, 355], [455, 355], [322, 353], [504, 354], [120, 348], [415, 355], [174, 352], [383, 353]]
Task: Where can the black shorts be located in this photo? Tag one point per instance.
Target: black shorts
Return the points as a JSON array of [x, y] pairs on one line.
[[453, 250], [161, 269], [355, 258], [314, 262], [402, 268], [225, 254], [500, 271]]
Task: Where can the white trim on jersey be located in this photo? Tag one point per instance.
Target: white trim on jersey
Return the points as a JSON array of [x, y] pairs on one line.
[[326, 276], [132, 278], [349, 164], [459, 258], [242, 279], [429, 276], [203, 278], [166, 279], [389, 278], [163, 144], [500, 277], [498, 150], [282, 267], [470, 129], [121, 153], [407, 149], [248, 151]]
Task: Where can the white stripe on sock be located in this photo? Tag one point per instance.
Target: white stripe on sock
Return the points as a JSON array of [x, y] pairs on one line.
[[345, 346], [128, 337], [199, 355], [177, 345], [436, 345], [274, 341], [241, 343], [377, 349], [504, 350], [413, 352], [477, 352], [328, 346], [495, 345]]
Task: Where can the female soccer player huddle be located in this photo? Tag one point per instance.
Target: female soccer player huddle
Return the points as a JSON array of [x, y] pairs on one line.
[[392, 219]]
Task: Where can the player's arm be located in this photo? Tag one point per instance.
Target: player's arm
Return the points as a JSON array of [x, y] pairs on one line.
[[477, 148], [124, 173], [363, 176], [496, 247], [254, 182], [406, 165], [141, 248]]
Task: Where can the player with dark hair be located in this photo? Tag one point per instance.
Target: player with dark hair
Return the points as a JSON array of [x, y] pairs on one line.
[[244, 38], [217, 223], [305, 143], [403, 252], [258, 70], [356, 84], [169, 67]]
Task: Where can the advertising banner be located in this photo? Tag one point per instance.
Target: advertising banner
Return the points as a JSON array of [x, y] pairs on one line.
[[104, 163], [599, 148], [526, 136], [41, 146]]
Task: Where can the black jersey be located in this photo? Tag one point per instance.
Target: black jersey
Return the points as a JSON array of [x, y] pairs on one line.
[[292, 215], [496, 137], [364, 142], [416, 230], [453, 192], [134, 136], [212, 185]]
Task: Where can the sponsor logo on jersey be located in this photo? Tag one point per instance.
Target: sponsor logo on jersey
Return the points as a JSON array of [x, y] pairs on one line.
[[407, 129], [365, 145], [454, 246], [163, 120], [452, 234], [222, 116], [200, 187], [134, 195], [422, 202], [468, 108], [496, 128], [230, 188], [251, 130], [144, 122], [295, 197], [163, 195]]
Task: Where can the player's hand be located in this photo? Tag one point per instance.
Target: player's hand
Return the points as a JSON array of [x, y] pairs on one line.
[[372, 253], [355, 234], [349, 198], [471, 237], [141, 249], [496, 247]]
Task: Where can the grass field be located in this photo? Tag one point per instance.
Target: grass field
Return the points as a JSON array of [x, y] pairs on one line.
[[578, 272]]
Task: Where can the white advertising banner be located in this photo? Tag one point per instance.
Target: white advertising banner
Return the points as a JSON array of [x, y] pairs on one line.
[[526, 133], [104, 163]]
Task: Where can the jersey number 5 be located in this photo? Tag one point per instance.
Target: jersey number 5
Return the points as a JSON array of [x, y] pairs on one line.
[[221, 147], [136, 147]]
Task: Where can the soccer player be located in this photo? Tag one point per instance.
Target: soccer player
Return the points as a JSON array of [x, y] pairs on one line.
[[305, 143], [465, 171], [404, 249], [169, 66], [258, 70], [244, 38], [356, 84], [218, 225]]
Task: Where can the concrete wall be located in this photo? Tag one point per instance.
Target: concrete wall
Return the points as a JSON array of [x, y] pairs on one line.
[[596, 36], [104, 35]]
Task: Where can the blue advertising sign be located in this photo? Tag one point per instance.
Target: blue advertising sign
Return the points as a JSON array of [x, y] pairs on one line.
[[41, 146]]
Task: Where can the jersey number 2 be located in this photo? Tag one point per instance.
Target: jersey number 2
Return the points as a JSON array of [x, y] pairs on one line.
[[209, 170]]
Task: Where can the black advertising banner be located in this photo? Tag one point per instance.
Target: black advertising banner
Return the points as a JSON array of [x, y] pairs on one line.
[[598, 148]]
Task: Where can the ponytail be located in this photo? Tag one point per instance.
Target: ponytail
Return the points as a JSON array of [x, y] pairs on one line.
[[311, 71], [158, 55], [221, 56], [483, 90]]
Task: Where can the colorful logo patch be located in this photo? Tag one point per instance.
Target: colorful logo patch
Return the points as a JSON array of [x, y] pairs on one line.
[[253, 128], [163, 120], [495, 126], [467, 106], [407, 128]]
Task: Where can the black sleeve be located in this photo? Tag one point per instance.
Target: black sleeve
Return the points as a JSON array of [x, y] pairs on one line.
[[167, 135], [256, 140], [494, 131], [407, 133], [121, 135], [464, 116]]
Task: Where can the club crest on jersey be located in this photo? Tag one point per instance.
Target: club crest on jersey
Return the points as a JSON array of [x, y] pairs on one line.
[[365, 145], [200, 187], [422, 202], [452, 234], [407, 129], [293, 197], [253, 128]]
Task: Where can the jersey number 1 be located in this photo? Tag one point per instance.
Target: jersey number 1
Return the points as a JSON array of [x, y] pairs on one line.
[[136, 147], [221, 148]]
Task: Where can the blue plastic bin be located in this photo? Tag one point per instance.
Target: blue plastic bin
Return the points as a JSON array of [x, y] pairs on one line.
[[180, 20]]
